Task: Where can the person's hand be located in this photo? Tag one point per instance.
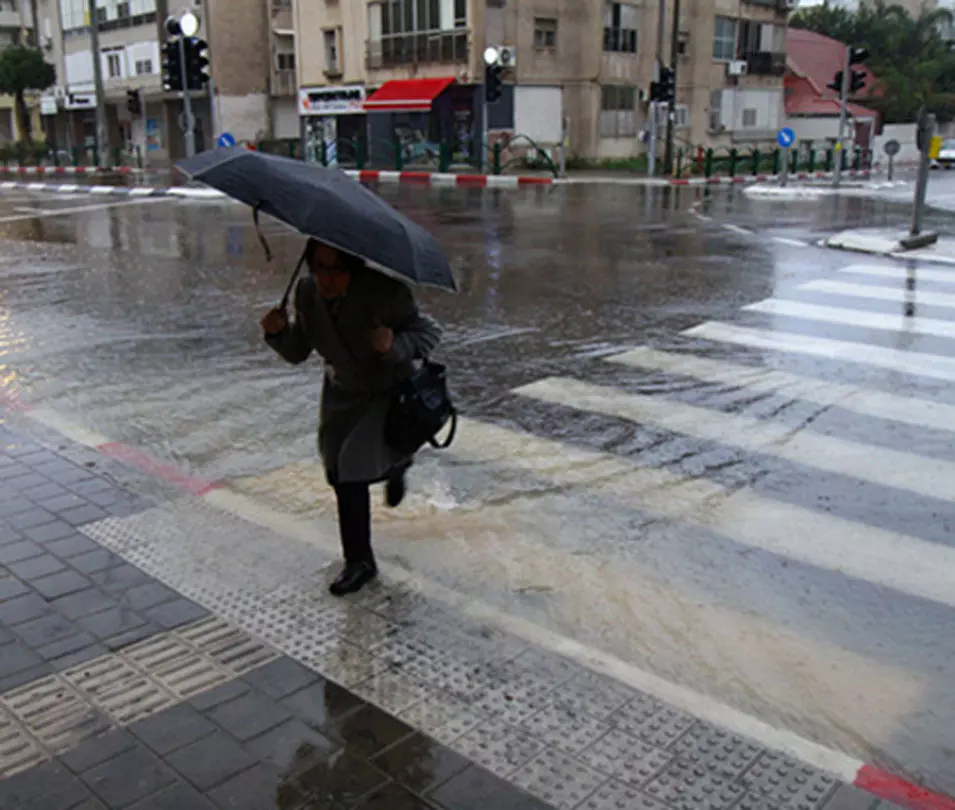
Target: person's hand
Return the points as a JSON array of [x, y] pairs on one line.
[[381, 339], [275, 321]]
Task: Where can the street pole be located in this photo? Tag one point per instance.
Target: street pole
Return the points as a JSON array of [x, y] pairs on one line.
[[926, 130], [188, 121], [102, 143], [657, 72], [483, 148], [671, 108], [843, 116], [142, 115]]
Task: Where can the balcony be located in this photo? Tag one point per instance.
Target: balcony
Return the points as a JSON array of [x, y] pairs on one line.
[[419, 48], [9, 18], [282, 17], [284, 83], [765, 63]]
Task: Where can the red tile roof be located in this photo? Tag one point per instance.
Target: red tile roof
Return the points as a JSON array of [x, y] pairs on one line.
[[812, 62]]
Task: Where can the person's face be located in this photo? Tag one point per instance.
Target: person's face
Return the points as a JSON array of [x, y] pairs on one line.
[[329, 270]]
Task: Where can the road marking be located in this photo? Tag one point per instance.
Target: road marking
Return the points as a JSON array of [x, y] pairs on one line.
[[902, 273], [909, 410], [897, 295], [852, 317], [82, 209], [937, 366], [794, 242], [928, 477], [737, 229]]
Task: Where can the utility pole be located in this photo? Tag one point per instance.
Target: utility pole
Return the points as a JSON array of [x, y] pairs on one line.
[[657, 73], [843, 116], [102, 141], [671, 107], [188, 119]]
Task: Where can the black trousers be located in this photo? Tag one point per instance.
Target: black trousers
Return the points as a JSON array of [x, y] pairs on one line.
[[354, 521]]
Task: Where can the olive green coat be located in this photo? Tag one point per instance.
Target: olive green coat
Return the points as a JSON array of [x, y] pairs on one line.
[[359, 383]]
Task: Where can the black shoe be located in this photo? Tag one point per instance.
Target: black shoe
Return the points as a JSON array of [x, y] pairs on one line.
[[353, 578], [395, 490]]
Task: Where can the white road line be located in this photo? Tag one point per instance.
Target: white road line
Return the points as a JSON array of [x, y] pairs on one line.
[[900, 273], [908, 410], [82, 209], [852, 317], [928, 477], [897, 295], [793, 242], [738, 229], [936, 366]]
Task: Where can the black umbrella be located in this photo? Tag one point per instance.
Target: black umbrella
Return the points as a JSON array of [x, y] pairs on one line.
[[328, 206]]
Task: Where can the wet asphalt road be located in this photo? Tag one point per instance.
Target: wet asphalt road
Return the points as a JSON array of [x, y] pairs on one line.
[[787, 561]]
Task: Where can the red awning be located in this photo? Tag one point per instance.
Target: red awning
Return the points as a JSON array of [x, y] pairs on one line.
[[406, 95]]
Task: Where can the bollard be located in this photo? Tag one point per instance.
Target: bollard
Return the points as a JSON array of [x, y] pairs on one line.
[[291, 149], [733, 154], [793, 161], [496, 161], [139, 157], [857, 158], [324, 153], [118, 156], [444, 156], [812, 160], [399, 157], [756, 161], [679, 162], [708, 163], [843, 159], [699, 160], [359, 153], [828, 160], [775, 161]]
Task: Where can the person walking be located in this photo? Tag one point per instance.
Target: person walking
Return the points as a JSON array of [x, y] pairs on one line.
[[369, 331]]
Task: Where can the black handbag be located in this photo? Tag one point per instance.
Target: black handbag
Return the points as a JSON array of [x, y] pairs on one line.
[[421, 408]]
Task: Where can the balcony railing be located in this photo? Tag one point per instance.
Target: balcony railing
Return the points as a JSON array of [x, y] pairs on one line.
[[766, 63], [419, 47], [284, 83]]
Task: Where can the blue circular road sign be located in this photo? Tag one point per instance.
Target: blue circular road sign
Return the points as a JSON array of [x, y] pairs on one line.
[[226, 140], [786, 137]]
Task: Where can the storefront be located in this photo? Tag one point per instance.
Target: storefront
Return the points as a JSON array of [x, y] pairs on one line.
[[333, 123]]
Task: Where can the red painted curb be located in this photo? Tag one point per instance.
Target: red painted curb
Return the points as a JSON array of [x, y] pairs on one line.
[[898, 790], [471, 180], [157, 469], [415, 177], [535, 181]]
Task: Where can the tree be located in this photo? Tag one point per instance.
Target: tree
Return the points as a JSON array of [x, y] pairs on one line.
[[23, 69]]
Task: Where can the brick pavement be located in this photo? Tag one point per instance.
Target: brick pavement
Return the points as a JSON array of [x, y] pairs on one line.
[[116, 691]]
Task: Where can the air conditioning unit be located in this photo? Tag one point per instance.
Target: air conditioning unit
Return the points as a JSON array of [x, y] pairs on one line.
[[738, 67], [507, 57]]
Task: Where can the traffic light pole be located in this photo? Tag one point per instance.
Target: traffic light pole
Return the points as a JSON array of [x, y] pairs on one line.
[[188, 119], [671, 106], [102, 139], [843, 116]]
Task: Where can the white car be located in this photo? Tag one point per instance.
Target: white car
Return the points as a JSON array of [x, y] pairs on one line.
[[946, 155]]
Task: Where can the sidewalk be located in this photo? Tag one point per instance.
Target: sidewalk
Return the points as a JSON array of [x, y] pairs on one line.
[[174, 652]]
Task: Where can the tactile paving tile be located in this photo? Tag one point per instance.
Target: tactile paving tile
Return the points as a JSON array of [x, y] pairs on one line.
[[18, 750], [664, 728], [52, 711], [177, 666], [392, 691], [625, 757], [716, 749], [633, 716], [788, 783], [346, 664], [558, 779], [442, 716], [692, 787], [617, 796], [594, 695], [500, 748], [227, 646], [565, 729], [119, 689]]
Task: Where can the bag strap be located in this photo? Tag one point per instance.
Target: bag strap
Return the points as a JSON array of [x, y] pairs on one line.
[[447, 442]]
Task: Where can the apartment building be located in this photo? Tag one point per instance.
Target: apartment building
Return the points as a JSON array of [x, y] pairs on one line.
[[369, 68], [16, 26]]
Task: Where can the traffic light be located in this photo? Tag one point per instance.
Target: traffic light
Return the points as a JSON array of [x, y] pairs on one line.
[[134, 102], [836, 83], [858, 55], [171, 67], [857, 78], [665, 89], [493, 84], [856, 81], [197, 63]]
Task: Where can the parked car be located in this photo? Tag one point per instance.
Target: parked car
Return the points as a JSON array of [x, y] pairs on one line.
[[946, 156]]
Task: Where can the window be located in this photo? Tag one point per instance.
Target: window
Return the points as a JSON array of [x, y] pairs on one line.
[[545, 32], [101, 14], [749, 118], [144, 67], [285, 61], [122, 10], [330, 38], [114, 67], [724, 39], [620, 28], [716, 111], [618, 117]]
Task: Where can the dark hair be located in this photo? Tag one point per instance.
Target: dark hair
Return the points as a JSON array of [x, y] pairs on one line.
[[352, 263]]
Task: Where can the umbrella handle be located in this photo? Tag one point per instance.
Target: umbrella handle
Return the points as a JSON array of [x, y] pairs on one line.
[[291, 283]]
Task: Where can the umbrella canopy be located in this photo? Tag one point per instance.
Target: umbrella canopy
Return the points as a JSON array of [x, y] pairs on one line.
[[329, 206]]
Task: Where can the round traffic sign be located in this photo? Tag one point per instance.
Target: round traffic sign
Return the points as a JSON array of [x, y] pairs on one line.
[[786, 137], [226, 140], [892, 147]]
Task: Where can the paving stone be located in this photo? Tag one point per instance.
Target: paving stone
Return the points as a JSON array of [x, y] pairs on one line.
[[322, 703], [83, 603], [17, 657], [420, 763], [565, 729], [37, 457], [848, 797], [97, 750], [74, 796], [111, 622], [175, 614], [140, 633], [62, 584], [148, 595], [22, 609], [23, 550], [178, 797], [120, 578], [62, 502], [249, 715], [558, 779], [93, 561], [173, 728], [49, 532], [25, 786], [30, 518], [44, 492], [498, 747], [69, 646], [477, 789], [688, 787], [615, 795], [625, 757], [11, 587], [280, 678], [221, 694], [45, 630], [367, 731], [37, 567], [211, 760], [10, 508], [783, 780], [8, 535], [128, 777], [81, 656], [259, 787], [340, 781], [83, 514], [29, 481], [292, 745], [71, 545], [91, 486], [23, 676], [393, 797]]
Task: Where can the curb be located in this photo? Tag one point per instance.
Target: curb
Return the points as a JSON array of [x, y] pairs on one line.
[[43, 171], [116, 191], [870, 779]]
